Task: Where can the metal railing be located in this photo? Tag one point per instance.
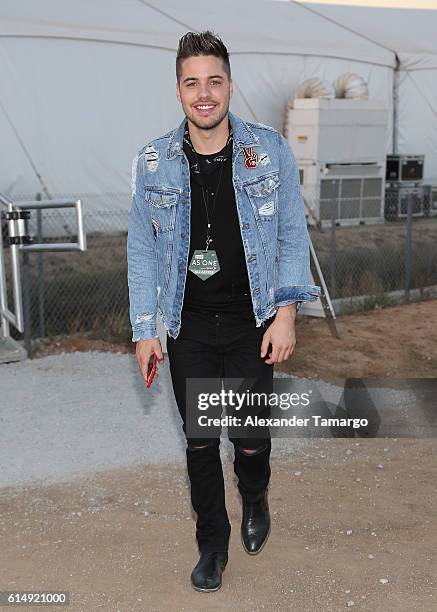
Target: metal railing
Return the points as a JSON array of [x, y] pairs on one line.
[[15, 221]]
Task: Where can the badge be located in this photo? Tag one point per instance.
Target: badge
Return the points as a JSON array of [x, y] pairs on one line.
[[264, 159], [204, 264], [152, 158], [250, 158], [267, 209]]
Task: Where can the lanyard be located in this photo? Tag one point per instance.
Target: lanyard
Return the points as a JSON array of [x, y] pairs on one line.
[[206, 203], [196, 168]]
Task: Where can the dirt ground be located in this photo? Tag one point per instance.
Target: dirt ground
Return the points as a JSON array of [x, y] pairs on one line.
[[353, 526], [393, 342], [354, 523]]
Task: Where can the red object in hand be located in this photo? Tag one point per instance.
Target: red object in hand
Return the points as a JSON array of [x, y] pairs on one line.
[[151, 369]]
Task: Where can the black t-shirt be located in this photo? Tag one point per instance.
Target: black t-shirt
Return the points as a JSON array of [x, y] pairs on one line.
[[228, 289]]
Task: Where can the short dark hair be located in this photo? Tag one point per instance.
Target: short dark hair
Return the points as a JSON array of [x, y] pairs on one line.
[[202, 43]]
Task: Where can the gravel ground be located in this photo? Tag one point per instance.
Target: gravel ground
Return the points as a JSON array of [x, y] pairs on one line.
[[75, 413], [72, 414]]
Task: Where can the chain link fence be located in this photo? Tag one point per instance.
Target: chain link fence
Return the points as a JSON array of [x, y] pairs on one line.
[[374, 245], [74, 292]]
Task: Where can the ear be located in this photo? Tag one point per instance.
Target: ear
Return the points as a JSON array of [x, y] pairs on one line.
[[178, 93], [231, 88]]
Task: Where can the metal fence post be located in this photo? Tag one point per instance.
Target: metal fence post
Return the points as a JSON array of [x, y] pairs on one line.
[[408, 235], [27, 315], [333, 254], [40, 273]]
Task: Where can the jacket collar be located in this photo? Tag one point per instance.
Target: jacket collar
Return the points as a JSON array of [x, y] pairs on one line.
[[242, 134]]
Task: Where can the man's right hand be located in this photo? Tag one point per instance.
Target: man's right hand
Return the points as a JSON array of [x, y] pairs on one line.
[[145, 349]]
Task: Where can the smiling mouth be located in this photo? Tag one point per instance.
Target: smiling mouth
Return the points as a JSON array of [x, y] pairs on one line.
[[204, 109]]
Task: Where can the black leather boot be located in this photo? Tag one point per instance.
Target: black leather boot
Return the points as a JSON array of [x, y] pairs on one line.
[[207, 575], [255, 524]]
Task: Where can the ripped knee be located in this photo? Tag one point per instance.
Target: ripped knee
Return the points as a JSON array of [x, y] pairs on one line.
[[252, 451], [195, 447]]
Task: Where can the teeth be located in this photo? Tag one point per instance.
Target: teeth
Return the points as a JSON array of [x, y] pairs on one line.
[[204, 107]]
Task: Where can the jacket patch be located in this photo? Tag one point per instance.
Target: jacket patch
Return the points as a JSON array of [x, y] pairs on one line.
[[264, 159], [152, 158], [250, 158], [155, 226], [267, 209], [145, 316], [134, 176]]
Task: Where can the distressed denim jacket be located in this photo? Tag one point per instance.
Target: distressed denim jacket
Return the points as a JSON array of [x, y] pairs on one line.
[[271, 216]]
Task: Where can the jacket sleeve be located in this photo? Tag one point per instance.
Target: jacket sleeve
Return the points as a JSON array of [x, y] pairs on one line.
[[293, 253], [141, 260]]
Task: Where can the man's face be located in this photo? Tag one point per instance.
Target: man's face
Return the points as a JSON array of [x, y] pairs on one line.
[[204, 90]]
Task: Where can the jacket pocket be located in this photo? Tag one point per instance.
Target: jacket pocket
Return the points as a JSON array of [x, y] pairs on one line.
[[263, 195], [163, 208]]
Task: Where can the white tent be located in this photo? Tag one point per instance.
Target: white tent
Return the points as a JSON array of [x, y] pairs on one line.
[[411, 34], [85, 83]]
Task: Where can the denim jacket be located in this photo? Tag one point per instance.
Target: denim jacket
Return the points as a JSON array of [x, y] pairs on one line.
[[271, 216]]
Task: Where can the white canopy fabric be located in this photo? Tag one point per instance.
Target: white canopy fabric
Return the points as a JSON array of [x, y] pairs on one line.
[[85, 83], [411, 34]]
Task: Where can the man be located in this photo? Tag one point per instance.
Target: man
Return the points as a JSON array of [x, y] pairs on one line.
[[218, 245]]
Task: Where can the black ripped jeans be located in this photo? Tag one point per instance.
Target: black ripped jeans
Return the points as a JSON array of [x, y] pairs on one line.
[[217, 345]]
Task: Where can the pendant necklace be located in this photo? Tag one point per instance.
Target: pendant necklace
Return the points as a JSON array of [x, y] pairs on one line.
[[205, 263]]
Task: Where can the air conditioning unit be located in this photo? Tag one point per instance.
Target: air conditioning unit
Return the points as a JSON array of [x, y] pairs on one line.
[[337, 131], [398, 196], [351, 194]]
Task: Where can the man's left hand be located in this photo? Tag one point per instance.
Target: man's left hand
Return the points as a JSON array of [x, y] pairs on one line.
[[281, 335]]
